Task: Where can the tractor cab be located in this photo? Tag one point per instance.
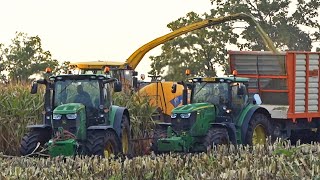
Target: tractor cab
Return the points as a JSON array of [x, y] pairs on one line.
[[93, 92], [228, 94], [76, 97]]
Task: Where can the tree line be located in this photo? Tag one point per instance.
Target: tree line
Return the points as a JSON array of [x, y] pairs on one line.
[[290, 26], [25, 57]]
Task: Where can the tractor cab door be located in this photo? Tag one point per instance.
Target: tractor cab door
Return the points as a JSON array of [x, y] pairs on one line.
[[239, 98]]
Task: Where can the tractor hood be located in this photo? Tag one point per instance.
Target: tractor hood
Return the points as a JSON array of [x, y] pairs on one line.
[[68, 108], [192, 107]]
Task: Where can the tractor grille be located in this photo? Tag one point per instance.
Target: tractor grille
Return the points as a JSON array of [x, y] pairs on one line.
[[180, 124], [66, 124]]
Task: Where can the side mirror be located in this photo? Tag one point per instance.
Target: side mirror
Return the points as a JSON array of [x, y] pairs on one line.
[[117, 86], [257, 99], [240, 91], [174, 88], [134, 73], [135, 82], [34, 87]]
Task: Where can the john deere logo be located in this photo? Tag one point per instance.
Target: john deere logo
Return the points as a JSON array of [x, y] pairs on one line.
[[64, 122], [178, 120]]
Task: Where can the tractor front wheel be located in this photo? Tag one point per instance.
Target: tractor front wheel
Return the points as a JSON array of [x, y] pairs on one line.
[[29, 143], [159, 132], [258, 130], [216, 136], [102, 143]]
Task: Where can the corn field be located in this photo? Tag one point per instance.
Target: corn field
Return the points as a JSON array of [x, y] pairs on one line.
[[18, 108], [277, 161], [141, 120]]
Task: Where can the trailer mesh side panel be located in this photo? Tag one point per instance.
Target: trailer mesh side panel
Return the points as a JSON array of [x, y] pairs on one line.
[[313, 89], [300, 80], [263, 69]]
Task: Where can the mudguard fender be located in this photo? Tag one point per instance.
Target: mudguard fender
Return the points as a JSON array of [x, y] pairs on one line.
[[120, 111], [39, 126]]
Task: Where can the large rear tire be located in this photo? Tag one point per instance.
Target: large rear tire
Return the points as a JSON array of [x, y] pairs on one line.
[[102, 143], [216, 136], [126, 136], [259, 129], [30, 141]]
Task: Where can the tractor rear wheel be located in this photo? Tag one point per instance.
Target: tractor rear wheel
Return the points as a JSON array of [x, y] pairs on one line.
[[258, 130], [216, 136], [102, 143], [126, 136], [30, 141], [159, 132]]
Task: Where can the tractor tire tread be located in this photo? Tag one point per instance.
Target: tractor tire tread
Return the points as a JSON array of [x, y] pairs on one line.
[[216, 136], [159, 132], [30, 140], [96, 141], [257, 118]]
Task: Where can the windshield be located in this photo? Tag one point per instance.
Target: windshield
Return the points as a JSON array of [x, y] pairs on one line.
[[215, 93], [77, 91]]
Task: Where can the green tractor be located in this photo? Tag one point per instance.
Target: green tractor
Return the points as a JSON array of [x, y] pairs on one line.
[[79, 118], [219, 112]]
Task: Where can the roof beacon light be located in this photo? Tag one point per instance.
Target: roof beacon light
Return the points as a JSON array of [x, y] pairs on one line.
[[106, 70], [234, 72], [187, 72], [48, 70]]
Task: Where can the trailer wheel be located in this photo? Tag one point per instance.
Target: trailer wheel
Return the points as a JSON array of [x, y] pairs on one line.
[[102, 143], [126, 136], [304, 135], [159, 132], [30, 141], [216, 136], [258, 130]]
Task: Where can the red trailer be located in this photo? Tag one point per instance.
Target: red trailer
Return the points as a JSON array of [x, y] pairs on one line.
[[288, 84]]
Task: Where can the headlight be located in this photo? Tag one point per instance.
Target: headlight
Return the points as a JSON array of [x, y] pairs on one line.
[[56, 116], [185, 116], [173, 115], [71, 116]]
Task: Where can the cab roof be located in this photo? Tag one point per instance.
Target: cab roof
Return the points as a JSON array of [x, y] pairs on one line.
[[95, 65], [229, 79], [80, 77]]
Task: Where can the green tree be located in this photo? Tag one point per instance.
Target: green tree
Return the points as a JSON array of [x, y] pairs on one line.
[[2, 66], [25, 57], [289, 28], [63, 68], [200, 51], [203, 49]]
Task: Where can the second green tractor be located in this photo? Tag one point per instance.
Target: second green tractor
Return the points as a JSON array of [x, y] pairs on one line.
[[219, 112]]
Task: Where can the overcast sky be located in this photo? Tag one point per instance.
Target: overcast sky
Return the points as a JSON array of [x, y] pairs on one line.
[[76, 30]]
